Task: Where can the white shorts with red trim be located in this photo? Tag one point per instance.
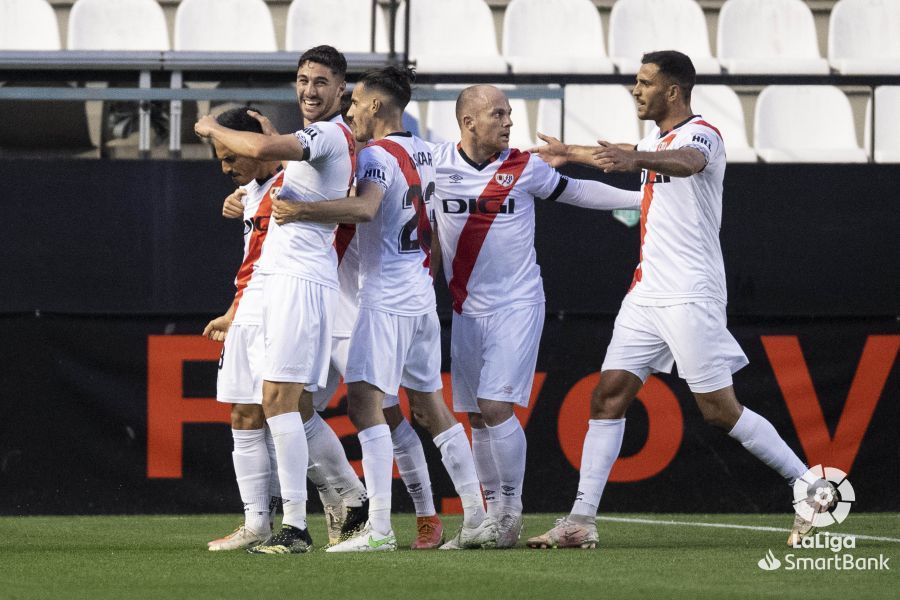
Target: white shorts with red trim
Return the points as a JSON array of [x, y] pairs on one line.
[[297, 320], [241, 364], [388, 350], [493, 357], [648, 339]]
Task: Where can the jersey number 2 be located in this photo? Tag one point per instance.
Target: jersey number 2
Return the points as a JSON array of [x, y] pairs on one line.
[[409, 241]]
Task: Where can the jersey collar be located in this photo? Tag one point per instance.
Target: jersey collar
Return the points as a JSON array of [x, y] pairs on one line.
[[400, 134], [261, 181], [662, 134], [472, 163]]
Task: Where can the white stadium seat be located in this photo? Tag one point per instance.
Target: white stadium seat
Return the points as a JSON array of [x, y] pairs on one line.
[[864, 37], [811, 123], [117, 25], [554, 36], [720, 106], [412, 119], [315, 22], [768, 36], [441, 122], [28, 25], [451, 37], [593, 112], [640, 26], [887, 124], [213, 25]]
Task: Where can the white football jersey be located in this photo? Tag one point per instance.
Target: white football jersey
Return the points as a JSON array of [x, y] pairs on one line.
[[346, 242], [306, 249], [257, 211], [485, 219], [681, 257], [395, 247]]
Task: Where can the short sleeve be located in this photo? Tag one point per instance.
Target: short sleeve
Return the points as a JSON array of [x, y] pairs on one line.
[[544, 181], [700, 137], [375, 165], [321, 140]]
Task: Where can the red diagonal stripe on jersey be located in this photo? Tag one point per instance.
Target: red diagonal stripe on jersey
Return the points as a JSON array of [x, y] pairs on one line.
[[351, 148], [408, 168], [342, 238], [257, 237], [705, 124], [475, 231]]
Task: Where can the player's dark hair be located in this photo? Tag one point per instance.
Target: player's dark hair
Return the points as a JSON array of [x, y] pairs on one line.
[[325, 55], [394, 81], [346, 98], [237, 118], [675, 65]]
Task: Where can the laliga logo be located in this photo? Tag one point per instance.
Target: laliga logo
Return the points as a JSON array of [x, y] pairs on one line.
[[823, 496], [769, 562]]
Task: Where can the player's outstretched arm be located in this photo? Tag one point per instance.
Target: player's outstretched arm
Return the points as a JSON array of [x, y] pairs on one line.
[[360, 208], [682, 162], [556, 154], [598, 196], [254, 145], [233, 207], [217, 329]]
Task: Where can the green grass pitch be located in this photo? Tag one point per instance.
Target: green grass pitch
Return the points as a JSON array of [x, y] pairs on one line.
[[166, 557]]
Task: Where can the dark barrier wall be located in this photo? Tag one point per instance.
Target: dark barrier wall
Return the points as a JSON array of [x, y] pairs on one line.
[[146, 237], [115, 415], [110, 269]]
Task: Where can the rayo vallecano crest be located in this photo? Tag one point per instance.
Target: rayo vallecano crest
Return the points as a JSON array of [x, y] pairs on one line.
[[504, 179]]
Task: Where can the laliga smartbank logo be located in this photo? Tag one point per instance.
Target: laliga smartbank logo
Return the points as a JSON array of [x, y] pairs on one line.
[[823, 496]]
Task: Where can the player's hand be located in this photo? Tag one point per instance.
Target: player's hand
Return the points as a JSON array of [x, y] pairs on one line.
[[204, 126], [265, 123], [217, 328], [612, 158], [554, 153], [287, 212], [233, 208]]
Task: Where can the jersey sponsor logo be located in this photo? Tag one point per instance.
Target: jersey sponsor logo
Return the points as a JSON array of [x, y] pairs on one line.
[[455, 178], [505, 179], [702, 139], [258, 223], [657, 178], [312, 132], [375, 171], [472, 206]]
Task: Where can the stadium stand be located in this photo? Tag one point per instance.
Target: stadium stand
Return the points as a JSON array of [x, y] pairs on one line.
[[211, 25], [720, 105], [314, 22], [28, 25], [887, 124], [117, 25], [584, 124], [790, 125], [768, 36], [639, 26], [447, 37], [864, 37], [538, 37]]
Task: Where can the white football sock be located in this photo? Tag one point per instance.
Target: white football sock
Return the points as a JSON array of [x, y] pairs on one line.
[[293, 457], [326, 451], [601, 448], [508, 446], [274, 484], [487, 470], [757, 435], [326, 493], [251, 469], [456, 454], [378, 463], [410, 457]]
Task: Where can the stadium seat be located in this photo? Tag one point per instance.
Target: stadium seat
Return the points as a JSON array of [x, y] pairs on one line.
[[768, 36], [441, 122], [887, 124], [315, 22], [554, 36], [28, 25], [640, 26], [864, 37], [720, 106], [451, 37], [117, 25], [593, 112], [811, 123], [210, 25]]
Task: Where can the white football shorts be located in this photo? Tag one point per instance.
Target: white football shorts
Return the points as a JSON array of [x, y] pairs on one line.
[[493, 357], [388, 350], [241, 365], [648, 339], [340, 348], [297, 320]]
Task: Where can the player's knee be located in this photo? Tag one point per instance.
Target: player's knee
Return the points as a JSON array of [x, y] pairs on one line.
[[494, 413], [393, 416], [608, 404], [247, 416], [476, 421]]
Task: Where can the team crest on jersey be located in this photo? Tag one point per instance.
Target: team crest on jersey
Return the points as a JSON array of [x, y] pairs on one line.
[[505, 179], [274, 191]]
